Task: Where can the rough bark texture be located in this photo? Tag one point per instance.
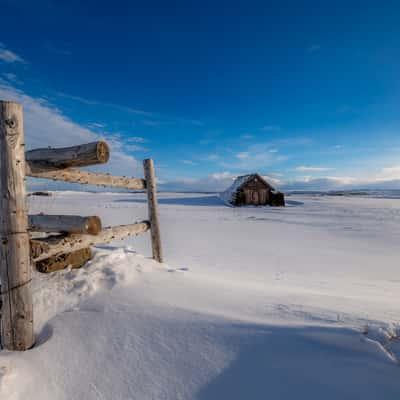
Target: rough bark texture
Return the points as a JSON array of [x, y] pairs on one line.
[[64, 223], [48, 159], [56, 245], [153, 209], [15, 267], [76, 259], [91, 178]]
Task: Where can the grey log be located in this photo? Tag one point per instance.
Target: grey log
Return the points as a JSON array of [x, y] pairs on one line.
[[49, 159], [15, 268], [64, 223], [153, 209], [53, 246], [90, 178]]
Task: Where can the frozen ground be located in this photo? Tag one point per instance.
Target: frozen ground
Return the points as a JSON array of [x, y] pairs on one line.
[[301, 302]]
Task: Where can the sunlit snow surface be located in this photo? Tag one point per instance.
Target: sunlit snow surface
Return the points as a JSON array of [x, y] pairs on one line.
[[301, 302]]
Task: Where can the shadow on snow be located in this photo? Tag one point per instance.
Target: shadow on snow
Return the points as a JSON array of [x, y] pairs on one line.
[[306, 363], [210, 201]]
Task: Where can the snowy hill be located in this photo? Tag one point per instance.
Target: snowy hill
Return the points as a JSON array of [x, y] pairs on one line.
[[301, 302]]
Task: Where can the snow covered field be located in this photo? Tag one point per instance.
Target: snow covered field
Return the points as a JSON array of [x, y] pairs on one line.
[[301, 302]]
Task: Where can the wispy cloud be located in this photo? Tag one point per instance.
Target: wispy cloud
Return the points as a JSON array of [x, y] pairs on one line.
[[151, 122], [323, 183], [91, 102], [189, 162], [313, 48], [304, 168], [12, 77], [253, 158], [387, 178], [216, 182], [242, 155], [152, 119], [46, 125], [134, 147], [212, 183], [56, 49], [389, 173], [211, 157], [97, 125], [246, 136], [210, 137], [345, 109], [9, 56], [136, 139], [271, 128]]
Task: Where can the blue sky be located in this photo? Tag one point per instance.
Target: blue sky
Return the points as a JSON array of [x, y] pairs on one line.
[[305, 92]]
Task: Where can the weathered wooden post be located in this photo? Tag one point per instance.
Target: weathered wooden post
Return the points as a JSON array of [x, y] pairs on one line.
[[15, 266], [151, 188]]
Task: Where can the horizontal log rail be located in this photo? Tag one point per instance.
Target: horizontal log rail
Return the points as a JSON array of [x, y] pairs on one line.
[[49, 159], [64, 223], [45, 248], [75, 259], [90, 178]]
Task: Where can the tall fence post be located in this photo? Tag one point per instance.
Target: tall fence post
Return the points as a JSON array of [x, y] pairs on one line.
[[15, 267], [151, 188]]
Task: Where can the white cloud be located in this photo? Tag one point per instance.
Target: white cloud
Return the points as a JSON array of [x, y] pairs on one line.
[[151, 122], [151, 119], [136, 139], [216, 182], [389, 178], [45, 125], [212, 157], [134, 147], [324, 183], [253, 158], [9, 56], [243, 155], [97, 125], [52, 48], [389, 173], [247, 136], [303, 168], [189, 162], [11, 77], [91, 102], [271, 128], [313, 48]]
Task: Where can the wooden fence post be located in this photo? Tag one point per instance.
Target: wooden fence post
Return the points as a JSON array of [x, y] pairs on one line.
[[15, 266], [151, 188]]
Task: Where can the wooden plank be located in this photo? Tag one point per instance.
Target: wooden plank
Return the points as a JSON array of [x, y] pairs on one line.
[[48, 159], [90, 178], [153, 209], [76, 259], [56, 245], [64, 223], [15, 268]]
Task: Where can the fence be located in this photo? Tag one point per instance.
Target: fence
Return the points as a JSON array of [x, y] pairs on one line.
[[18, 250]]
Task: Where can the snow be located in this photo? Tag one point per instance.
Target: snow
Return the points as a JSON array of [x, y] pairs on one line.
[[295, 302]]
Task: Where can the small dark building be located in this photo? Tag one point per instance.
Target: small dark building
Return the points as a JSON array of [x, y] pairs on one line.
[[254, 190]]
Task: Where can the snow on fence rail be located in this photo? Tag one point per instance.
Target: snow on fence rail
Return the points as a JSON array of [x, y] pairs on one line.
[[18, 250]]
